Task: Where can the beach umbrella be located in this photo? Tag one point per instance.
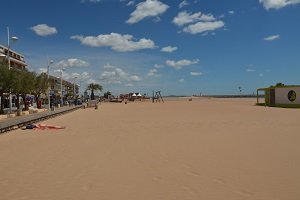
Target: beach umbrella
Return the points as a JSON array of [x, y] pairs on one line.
[[139, 95], [134, 95]]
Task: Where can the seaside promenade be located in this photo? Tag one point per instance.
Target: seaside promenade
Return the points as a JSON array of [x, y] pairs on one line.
[[8, 124], [227, 149]]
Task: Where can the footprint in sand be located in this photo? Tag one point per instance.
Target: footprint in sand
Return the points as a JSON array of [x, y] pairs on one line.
[[233, 188], [156, 178]]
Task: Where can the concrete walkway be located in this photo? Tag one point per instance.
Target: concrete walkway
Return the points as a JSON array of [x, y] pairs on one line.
[[19, 121]]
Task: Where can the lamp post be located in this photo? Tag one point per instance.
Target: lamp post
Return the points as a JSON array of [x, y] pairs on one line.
[[74, 92], [49, 85], [8, 59], [61, 86]]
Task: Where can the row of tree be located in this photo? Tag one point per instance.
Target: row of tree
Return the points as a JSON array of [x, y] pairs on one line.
[[24, 82], [21, 83]]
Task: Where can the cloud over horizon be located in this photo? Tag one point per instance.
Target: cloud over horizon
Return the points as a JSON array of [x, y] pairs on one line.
[[72, 62], [117, 42], [116, 75], [181, 63]]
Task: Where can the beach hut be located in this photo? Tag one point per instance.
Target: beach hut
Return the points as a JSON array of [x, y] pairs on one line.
[[280, 96]]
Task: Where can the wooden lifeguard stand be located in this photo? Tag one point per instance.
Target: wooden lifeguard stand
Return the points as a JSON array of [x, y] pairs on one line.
[[157, 97]]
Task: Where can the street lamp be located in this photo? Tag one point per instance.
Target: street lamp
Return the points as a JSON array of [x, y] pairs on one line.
[[14, 39], [49, 85], [74, 89], [61, 87]]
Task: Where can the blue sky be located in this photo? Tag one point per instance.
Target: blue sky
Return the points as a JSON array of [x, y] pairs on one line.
[[180, 47]]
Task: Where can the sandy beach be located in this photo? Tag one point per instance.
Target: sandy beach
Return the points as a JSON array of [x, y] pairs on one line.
[[210, 149]]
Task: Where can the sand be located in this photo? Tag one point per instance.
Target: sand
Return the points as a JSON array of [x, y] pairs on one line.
[[212, 149]]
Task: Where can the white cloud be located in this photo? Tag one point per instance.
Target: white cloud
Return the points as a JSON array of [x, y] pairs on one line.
[[117, 42], [185, 17], [201, 27], [277, 4], [181, 63], [108, 66], [111, 77], [198, 22], [42, 70], [84, 76], [231, 12], [130, 3], [71, 76], [272, 37], [158, 66], [92, 81], [169, 49], [134, 78], [181, 80], [184, 3], [72, 62], [260, 75], [75, 75], [196, 73], [207, 17], [152, 72], [250, 70], [156, 19], [43, 30], [129, 85], [118, 76], [148, 8]]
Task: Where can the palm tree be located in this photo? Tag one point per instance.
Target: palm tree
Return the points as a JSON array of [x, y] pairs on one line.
[[94, 87]]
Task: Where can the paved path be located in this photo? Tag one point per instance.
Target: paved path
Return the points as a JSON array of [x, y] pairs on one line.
[[16, 122]]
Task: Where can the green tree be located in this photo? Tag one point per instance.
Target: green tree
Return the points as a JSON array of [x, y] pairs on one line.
[[40, 86], [107, 94], [94, 87], [16, 86], [279, 85], [27, 80], [4, 84]]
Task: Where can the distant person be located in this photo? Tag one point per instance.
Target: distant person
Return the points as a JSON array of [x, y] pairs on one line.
[[42, 126]]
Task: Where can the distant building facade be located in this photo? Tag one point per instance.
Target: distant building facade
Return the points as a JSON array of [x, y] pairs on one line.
[[68, 89], [17, 60]]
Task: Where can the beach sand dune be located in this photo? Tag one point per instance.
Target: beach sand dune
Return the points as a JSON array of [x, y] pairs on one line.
[[202, 149]]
